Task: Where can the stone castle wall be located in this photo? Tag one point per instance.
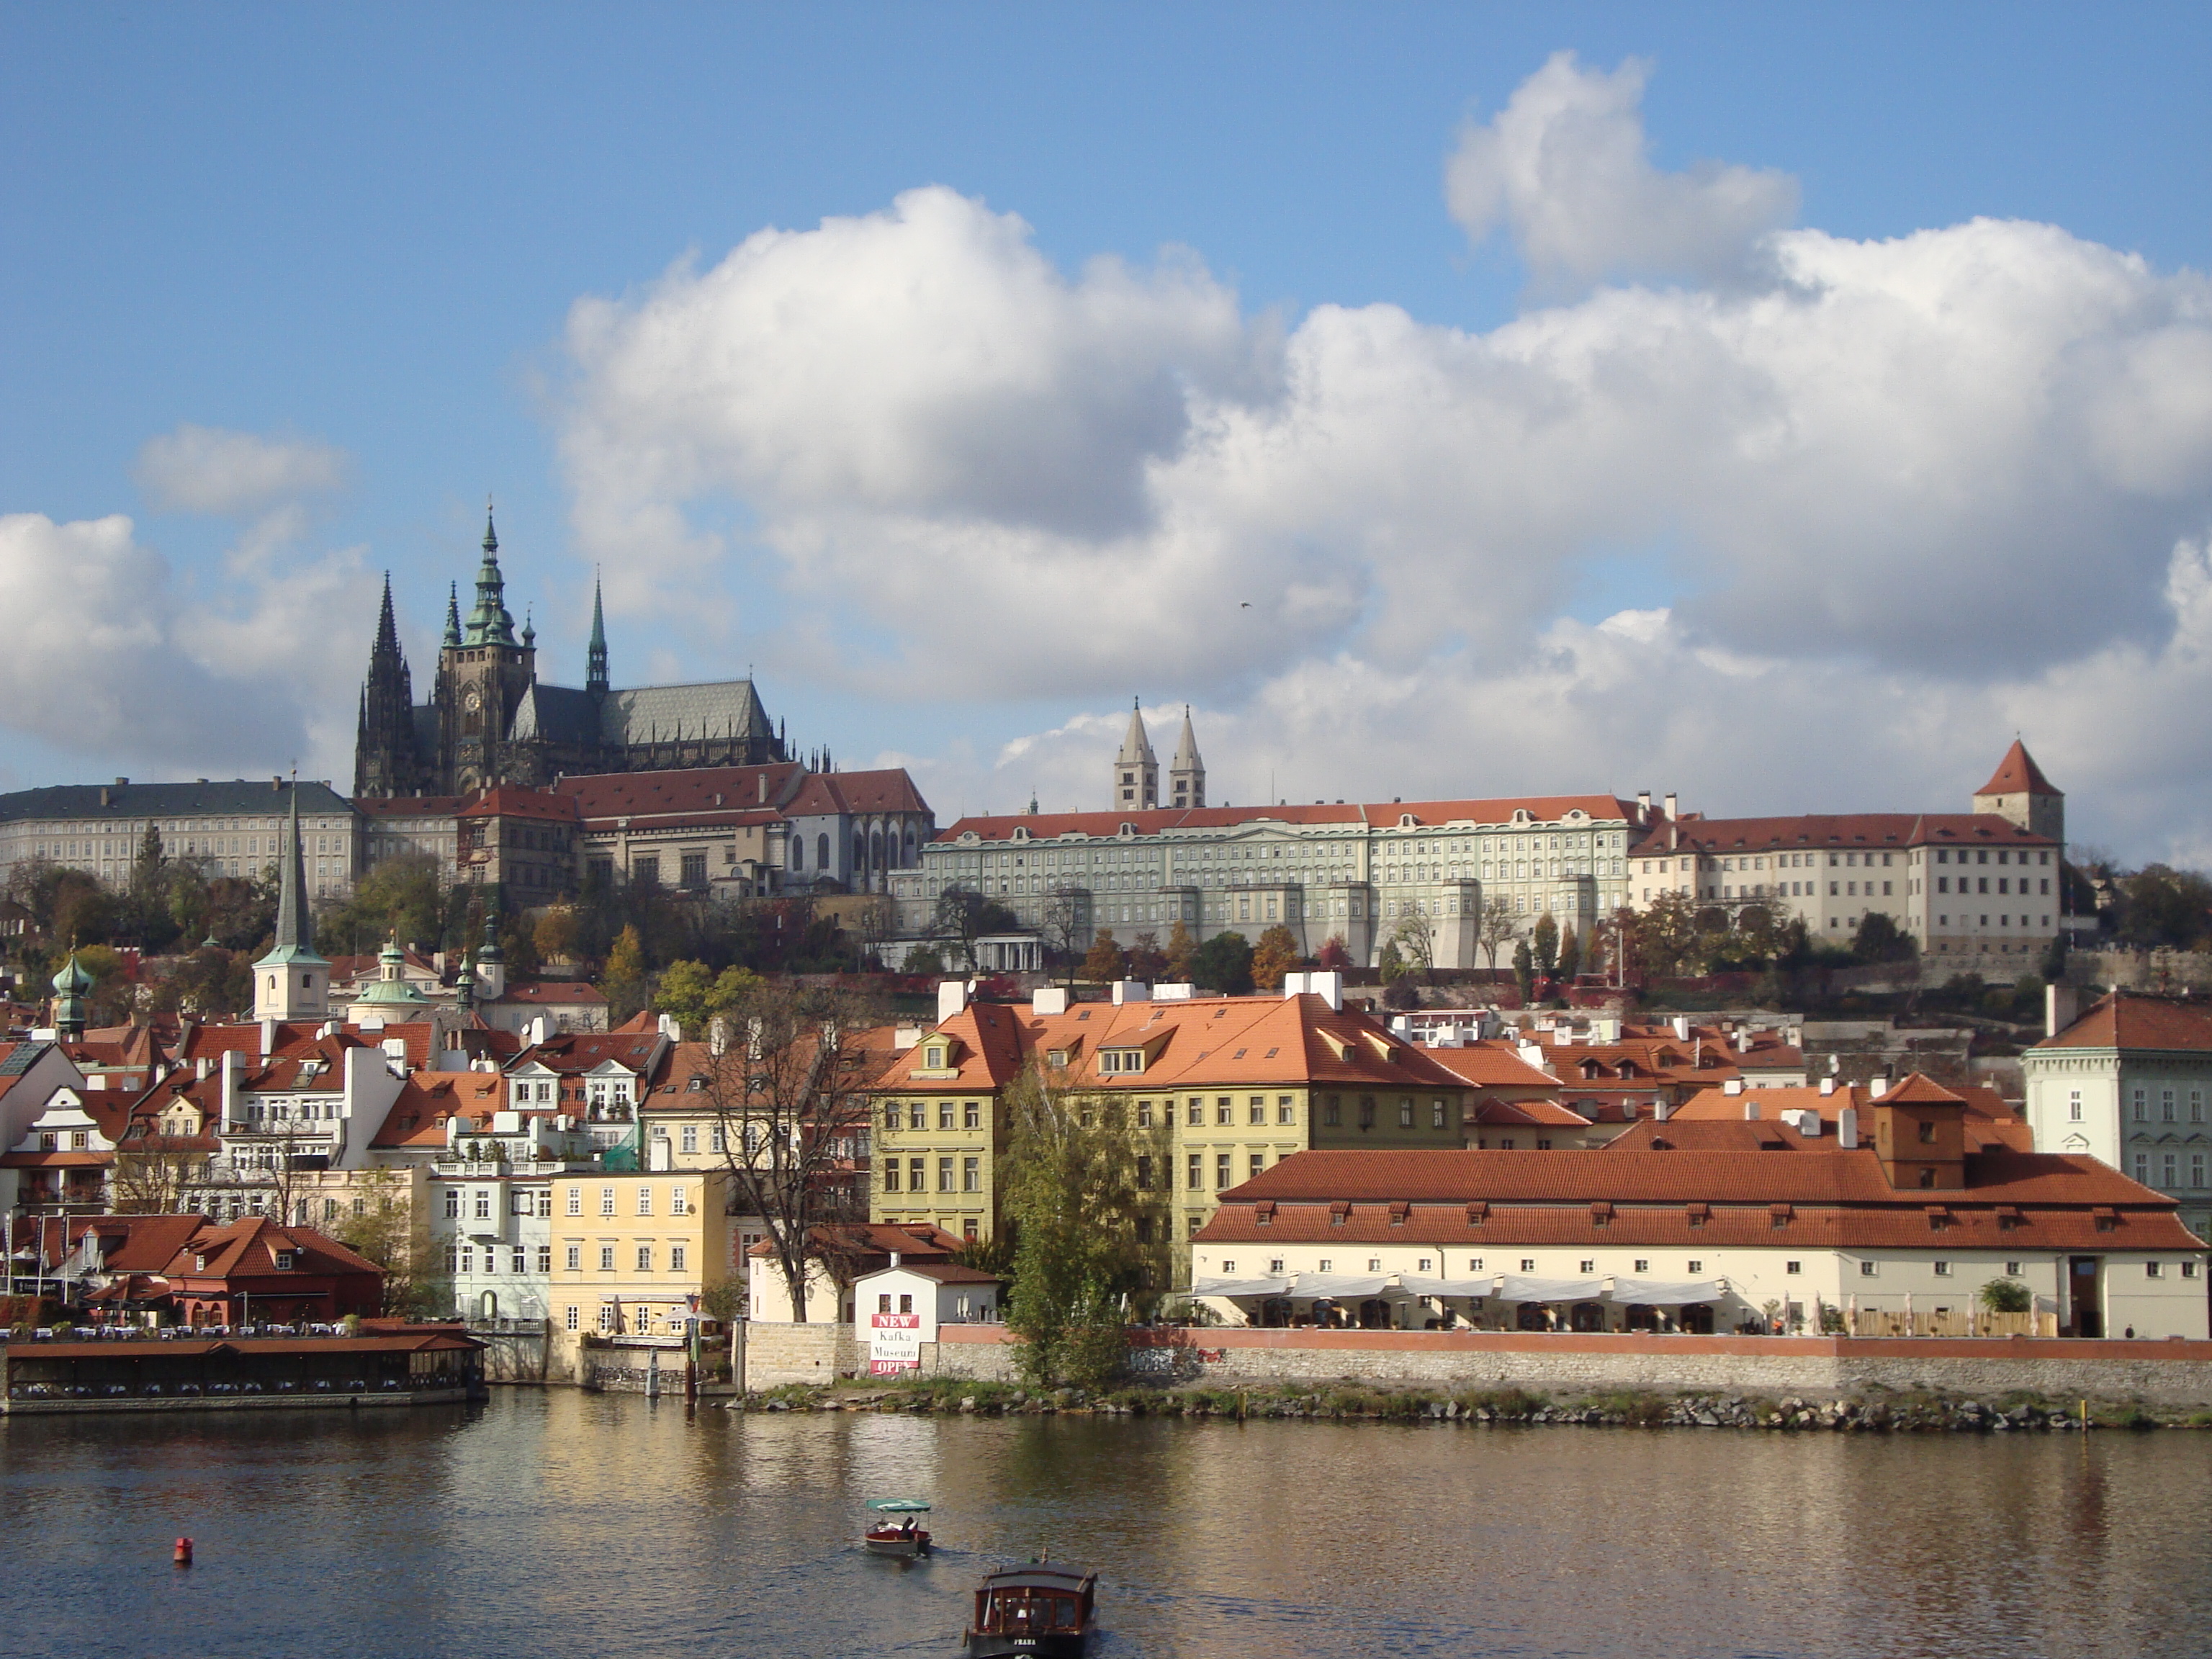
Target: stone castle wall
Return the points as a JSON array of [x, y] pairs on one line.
[[2163, 1373]]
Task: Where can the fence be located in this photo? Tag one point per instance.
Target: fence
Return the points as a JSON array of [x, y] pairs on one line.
[[1971, 1321]]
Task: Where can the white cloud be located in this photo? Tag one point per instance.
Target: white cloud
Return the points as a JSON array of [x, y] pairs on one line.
[[1906, 493], [109, 656], [205, 469], [1565, 168]]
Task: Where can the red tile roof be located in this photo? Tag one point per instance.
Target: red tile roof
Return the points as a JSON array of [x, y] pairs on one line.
[[1489, 1065], [1385, 815], [507, 801], [720, 795], [554, 993], [427, 1096], [826, 793], [244, 1249], [577, 1052], [2017, 774], [2120, 1021], [1692, 833]]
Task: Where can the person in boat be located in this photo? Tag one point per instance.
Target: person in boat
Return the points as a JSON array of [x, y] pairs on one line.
[[907, 1526]]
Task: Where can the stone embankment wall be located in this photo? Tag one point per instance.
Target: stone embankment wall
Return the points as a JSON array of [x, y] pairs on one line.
[[2165, 1373], [2139, 970], [513, 1356], [773, 1355]]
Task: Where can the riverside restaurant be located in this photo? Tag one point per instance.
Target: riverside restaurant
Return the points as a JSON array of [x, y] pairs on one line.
[[140, 1371]]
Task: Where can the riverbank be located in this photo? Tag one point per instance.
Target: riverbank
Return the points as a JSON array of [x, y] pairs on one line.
[[1877, 1411]]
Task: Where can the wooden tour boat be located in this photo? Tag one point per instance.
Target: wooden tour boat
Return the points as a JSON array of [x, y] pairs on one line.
[[887, 1536], [1039, 1609]]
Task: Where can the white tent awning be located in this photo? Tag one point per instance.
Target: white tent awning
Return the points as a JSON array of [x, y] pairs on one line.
[[1422, 1284], [1240, 1287], [1512, 1287], [1667, 1293], [1339, 1287]]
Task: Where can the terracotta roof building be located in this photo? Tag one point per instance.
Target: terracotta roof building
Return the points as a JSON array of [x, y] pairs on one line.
[[1710, 1224], [2130, 1081]]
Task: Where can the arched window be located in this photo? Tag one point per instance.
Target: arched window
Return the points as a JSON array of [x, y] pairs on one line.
[[799, 852], [822, 852], [859, 852]]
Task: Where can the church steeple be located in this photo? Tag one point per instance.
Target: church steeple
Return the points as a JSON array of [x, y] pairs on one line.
[[490, 622], [385, 759], [292, 983], [1136, 770], [453, 639], [595, 659], [1187, 774]]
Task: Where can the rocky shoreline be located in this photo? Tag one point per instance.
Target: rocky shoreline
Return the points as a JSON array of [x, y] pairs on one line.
[[1876, 1411]]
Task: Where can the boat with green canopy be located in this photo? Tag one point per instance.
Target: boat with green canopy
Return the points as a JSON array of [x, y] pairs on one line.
[[888, 1535]]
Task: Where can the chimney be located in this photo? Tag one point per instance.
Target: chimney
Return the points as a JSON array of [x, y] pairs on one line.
[[1827, 1086], [1671, 807], [903, 1037], [268, 1038], [951, 997], [1682, 1027], [896, 1257], [227, 1107], [1643, 806], [1329, 986], [1131, 990], [1734, 1086], [1662, 1109], [2061, 1007], [1750, 1110], [1048, 1000], [1877, 1088], [1293, 985], [764, 788], [200, 1069], [1847, 1128]]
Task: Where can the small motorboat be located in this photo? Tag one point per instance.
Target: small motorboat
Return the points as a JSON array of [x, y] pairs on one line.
[[908, 1538], [1038, 1610]]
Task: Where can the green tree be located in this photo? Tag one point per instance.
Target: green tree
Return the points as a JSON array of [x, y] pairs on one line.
[[1524, 971], [385, 1229], [1070, 1189], [1878, 938], [1666, 933], [1223, 964], [623, 982], [924, 961], [1181, 948], [1416, 940], [2005, 1296], [210, 984], [693, 994], [1102, 964], [1570, 952], [1389, 963], [1276, 954], [400, 897], [2162, 907], [1544, 946]]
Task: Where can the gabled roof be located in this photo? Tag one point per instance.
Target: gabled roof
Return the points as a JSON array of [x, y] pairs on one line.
[[1491, 1065], [551, 994], [2120, 1021], [427, 1096], [574, 1053], [245, 1249], [2017, 774], [718, 793], [841, 793]]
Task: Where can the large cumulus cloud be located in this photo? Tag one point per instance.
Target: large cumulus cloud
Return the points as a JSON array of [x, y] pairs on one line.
[[1901, 496]]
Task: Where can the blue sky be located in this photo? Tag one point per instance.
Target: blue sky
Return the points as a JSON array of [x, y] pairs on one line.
[[368, 228]]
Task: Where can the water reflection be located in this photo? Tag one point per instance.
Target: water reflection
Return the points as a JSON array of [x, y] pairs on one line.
[[553, 1524]]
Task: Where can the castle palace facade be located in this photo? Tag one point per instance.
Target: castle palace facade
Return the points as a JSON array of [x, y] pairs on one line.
[[490, 720]]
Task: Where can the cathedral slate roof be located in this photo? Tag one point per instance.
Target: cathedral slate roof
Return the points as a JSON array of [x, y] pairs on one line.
[[647, 715]]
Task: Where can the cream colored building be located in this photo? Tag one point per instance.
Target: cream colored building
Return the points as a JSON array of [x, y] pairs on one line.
[[1979, 892]]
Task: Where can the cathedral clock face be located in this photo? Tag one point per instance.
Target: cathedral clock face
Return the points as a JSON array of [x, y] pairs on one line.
[[473, 701]]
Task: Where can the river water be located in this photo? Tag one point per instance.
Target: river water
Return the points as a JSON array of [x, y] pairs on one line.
[[555, 1523]]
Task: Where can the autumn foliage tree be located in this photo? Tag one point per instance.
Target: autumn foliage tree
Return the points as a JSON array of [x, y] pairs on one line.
[[1103, 963], [1276, 954]]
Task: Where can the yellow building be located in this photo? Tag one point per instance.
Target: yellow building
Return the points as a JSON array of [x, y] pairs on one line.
[[635, 1253], [1217, 1089]]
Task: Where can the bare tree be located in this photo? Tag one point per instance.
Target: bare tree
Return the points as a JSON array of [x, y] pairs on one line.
[[1064, 920], [1417, 942], [152, 1174], [874, 922], [790, 1090], [1497, 928]]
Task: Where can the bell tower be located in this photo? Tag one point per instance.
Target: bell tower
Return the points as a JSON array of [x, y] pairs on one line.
[[1136, 770], [482, 672]]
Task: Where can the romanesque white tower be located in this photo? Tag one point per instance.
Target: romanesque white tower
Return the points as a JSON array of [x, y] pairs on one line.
[[1187, 776], [1136, 770]]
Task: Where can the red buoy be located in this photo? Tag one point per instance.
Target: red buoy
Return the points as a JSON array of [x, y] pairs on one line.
[[184, 1555]]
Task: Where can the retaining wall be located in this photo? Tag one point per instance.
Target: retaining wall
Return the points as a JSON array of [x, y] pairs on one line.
[[513, 1356], [772, 1354], [2164, 1373]]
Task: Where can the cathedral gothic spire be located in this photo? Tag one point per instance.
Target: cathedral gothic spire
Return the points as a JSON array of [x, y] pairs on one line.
[[385, 759], [595, 659], [490, 622]]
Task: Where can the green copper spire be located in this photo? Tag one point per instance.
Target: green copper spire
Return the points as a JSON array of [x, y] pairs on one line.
[[453, 614], [595, 661], [490, 622]]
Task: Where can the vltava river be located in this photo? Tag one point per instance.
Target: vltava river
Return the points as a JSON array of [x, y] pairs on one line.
[[557, 1524]]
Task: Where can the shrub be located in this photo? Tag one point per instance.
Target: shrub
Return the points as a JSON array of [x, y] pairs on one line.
[[2005, 1296]]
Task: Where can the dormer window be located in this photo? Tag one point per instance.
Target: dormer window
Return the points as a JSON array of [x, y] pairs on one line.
[[934, 1057], [284, 1261], [1121, 1060]]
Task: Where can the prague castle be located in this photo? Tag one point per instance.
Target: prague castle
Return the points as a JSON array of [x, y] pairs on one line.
[[490, 720]]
